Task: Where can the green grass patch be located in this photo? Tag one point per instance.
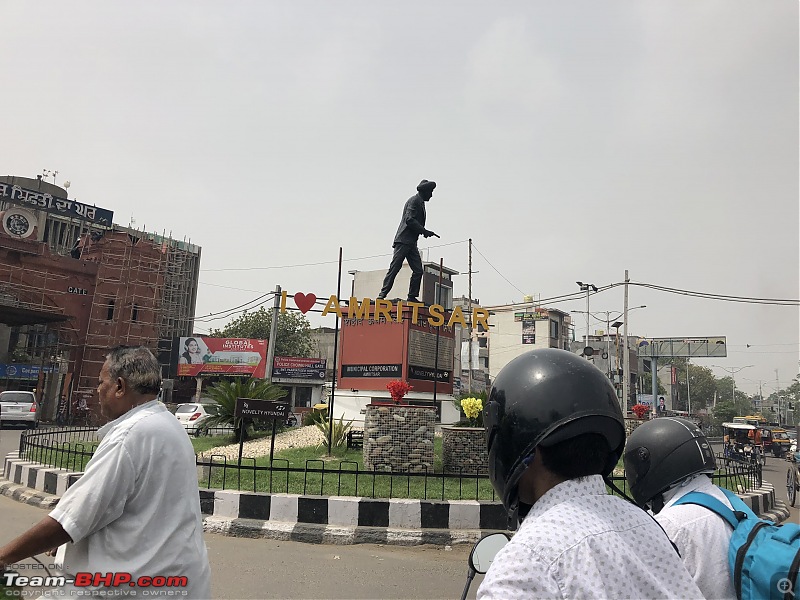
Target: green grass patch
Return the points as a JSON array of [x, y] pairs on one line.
[[72, 456], [336, 476]]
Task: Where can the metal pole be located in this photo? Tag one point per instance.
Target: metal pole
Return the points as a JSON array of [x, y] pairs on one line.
[[335, 354], [438, 329], [626, 367], [608, 342], [273, 334], [654, 382], [586, 345], [469, 305], [688, 391]]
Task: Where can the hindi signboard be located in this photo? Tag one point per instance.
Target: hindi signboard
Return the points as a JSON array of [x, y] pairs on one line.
[[222, 356]]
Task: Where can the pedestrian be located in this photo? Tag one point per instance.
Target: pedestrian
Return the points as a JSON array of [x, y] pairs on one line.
[[412, 225], [61, 413], [136, 509], [664, 460], [554, 431]]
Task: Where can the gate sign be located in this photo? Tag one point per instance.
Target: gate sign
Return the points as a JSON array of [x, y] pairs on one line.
[[286, 367], [250, 408], [683, 347]]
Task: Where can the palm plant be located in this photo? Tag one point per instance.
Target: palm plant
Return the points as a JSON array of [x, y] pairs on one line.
[[225, 393]]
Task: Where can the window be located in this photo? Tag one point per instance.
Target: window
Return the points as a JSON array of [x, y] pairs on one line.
[[446, 298], [553, 329], [302, 396], [135, 313], [110, 311]]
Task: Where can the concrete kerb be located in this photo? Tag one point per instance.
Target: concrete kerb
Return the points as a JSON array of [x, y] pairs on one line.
[[327, 520], [313, 519]]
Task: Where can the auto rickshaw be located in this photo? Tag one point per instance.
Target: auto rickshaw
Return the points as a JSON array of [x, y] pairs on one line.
[[743, 443], [775, 440]]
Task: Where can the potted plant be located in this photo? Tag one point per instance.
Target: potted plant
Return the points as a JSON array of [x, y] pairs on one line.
[[640, 410], [398, 389]]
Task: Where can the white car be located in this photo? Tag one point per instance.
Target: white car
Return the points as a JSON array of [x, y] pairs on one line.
[[19, 407], [191, 415]]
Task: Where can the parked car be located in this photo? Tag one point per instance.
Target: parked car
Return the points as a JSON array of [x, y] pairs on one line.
[[192, 414], [19, 408]]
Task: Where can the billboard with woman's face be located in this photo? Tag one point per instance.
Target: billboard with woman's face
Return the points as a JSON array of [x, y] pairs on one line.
[[221, 356]]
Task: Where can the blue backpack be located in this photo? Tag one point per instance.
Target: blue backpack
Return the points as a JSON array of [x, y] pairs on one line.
[[764, 558]]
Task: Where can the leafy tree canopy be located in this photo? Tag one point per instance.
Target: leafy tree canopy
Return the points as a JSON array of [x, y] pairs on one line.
[[294, 331]]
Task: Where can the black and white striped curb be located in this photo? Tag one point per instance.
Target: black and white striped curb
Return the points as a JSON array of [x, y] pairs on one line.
[[331, 519], [318, 519]]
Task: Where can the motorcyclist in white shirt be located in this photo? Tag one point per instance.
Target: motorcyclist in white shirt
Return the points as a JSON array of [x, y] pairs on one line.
[[554, 430]]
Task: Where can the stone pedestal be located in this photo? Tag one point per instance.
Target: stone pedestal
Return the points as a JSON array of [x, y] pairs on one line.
[[399, 438], [464, 450]]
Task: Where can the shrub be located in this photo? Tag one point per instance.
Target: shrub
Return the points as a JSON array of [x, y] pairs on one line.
[[339, 431], [398, 389]]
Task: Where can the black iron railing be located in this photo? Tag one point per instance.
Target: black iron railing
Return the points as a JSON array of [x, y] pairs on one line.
[[61, 447], [71, 448]]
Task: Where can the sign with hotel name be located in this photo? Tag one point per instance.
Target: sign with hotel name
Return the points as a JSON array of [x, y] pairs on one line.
[[385, 311], [56, 205]]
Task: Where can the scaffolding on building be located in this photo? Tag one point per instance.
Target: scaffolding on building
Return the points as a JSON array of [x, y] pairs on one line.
[[145, 295]]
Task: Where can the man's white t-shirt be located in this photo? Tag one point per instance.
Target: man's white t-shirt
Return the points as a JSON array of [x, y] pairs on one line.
[[702, 537], [136, 509]]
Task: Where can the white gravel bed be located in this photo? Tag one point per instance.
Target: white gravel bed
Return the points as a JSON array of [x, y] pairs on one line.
[[299, 437]]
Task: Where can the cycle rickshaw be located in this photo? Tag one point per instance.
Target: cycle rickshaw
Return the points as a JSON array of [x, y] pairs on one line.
[[793, 477]]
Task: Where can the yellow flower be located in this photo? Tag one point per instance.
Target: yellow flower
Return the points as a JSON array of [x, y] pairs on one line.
[[472, 407]]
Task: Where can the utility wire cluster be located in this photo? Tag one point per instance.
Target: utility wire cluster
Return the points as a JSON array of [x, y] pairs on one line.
[[264, 298]]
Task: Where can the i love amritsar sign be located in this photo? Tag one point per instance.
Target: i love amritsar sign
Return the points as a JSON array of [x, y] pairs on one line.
[[389, 311]]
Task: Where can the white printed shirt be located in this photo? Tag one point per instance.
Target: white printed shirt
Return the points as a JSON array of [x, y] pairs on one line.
[[702, 537], [577, 541], [136, 508]]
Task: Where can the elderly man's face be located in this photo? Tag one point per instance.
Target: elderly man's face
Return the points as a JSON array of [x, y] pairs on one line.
[[111, 393]]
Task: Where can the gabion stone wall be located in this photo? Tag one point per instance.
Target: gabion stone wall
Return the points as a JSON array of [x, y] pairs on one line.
[[464, 450], [399, 438]]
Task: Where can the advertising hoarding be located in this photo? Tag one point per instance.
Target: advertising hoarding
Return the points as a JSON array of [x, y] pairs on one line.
[[683, 347], [221, 356], [288, 367]]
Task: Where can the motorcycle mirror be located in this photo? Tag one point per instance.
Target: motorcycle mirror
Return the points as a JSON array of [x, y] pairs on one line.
[[484, 551]]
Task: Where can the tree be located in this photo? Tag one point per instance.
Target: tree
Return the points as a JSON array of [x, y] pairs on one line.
[[702, 385], [225, 393], [294, 331]]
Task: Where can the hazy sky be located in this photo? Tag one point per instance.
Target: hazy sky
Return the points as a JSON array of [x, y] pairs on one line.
[[569, 140]]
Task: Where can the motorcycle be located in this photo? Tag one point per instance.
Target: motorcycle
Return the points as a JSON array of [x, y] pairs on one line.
[[482, 555]]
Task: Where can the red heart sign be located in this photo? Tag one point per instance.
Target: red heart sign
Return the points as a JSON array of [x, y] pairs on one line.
[[304, 302]]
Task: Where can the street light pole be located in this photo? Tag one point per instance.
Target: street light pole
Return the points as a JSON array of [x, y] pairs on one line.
[[587, 287], [732, 371]]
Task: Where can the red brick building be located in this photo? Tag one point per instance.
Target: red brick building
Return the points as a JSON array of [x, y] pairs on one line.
[[73, 284]]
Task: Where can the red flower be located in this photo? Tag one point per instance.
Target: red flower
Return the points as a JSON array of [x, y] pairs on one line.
[[640, 410], [398, 388]]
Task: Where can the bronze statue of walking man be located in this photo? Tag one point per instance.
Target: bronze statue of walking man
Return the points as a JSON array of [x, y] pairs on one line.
[[412, 225]]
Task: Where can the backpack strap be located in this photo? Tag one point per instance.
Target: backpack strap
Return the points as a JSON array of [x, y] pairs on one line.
[[731, 516]]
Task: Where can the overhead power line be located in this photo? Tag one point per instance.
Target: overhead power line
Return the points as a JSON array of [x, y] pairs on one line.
[[723, 297]]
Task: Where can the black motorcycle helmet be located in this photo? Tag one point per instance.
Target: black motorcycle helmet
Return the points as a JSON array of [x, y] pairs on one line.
[[544, 397], [663, 452]]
